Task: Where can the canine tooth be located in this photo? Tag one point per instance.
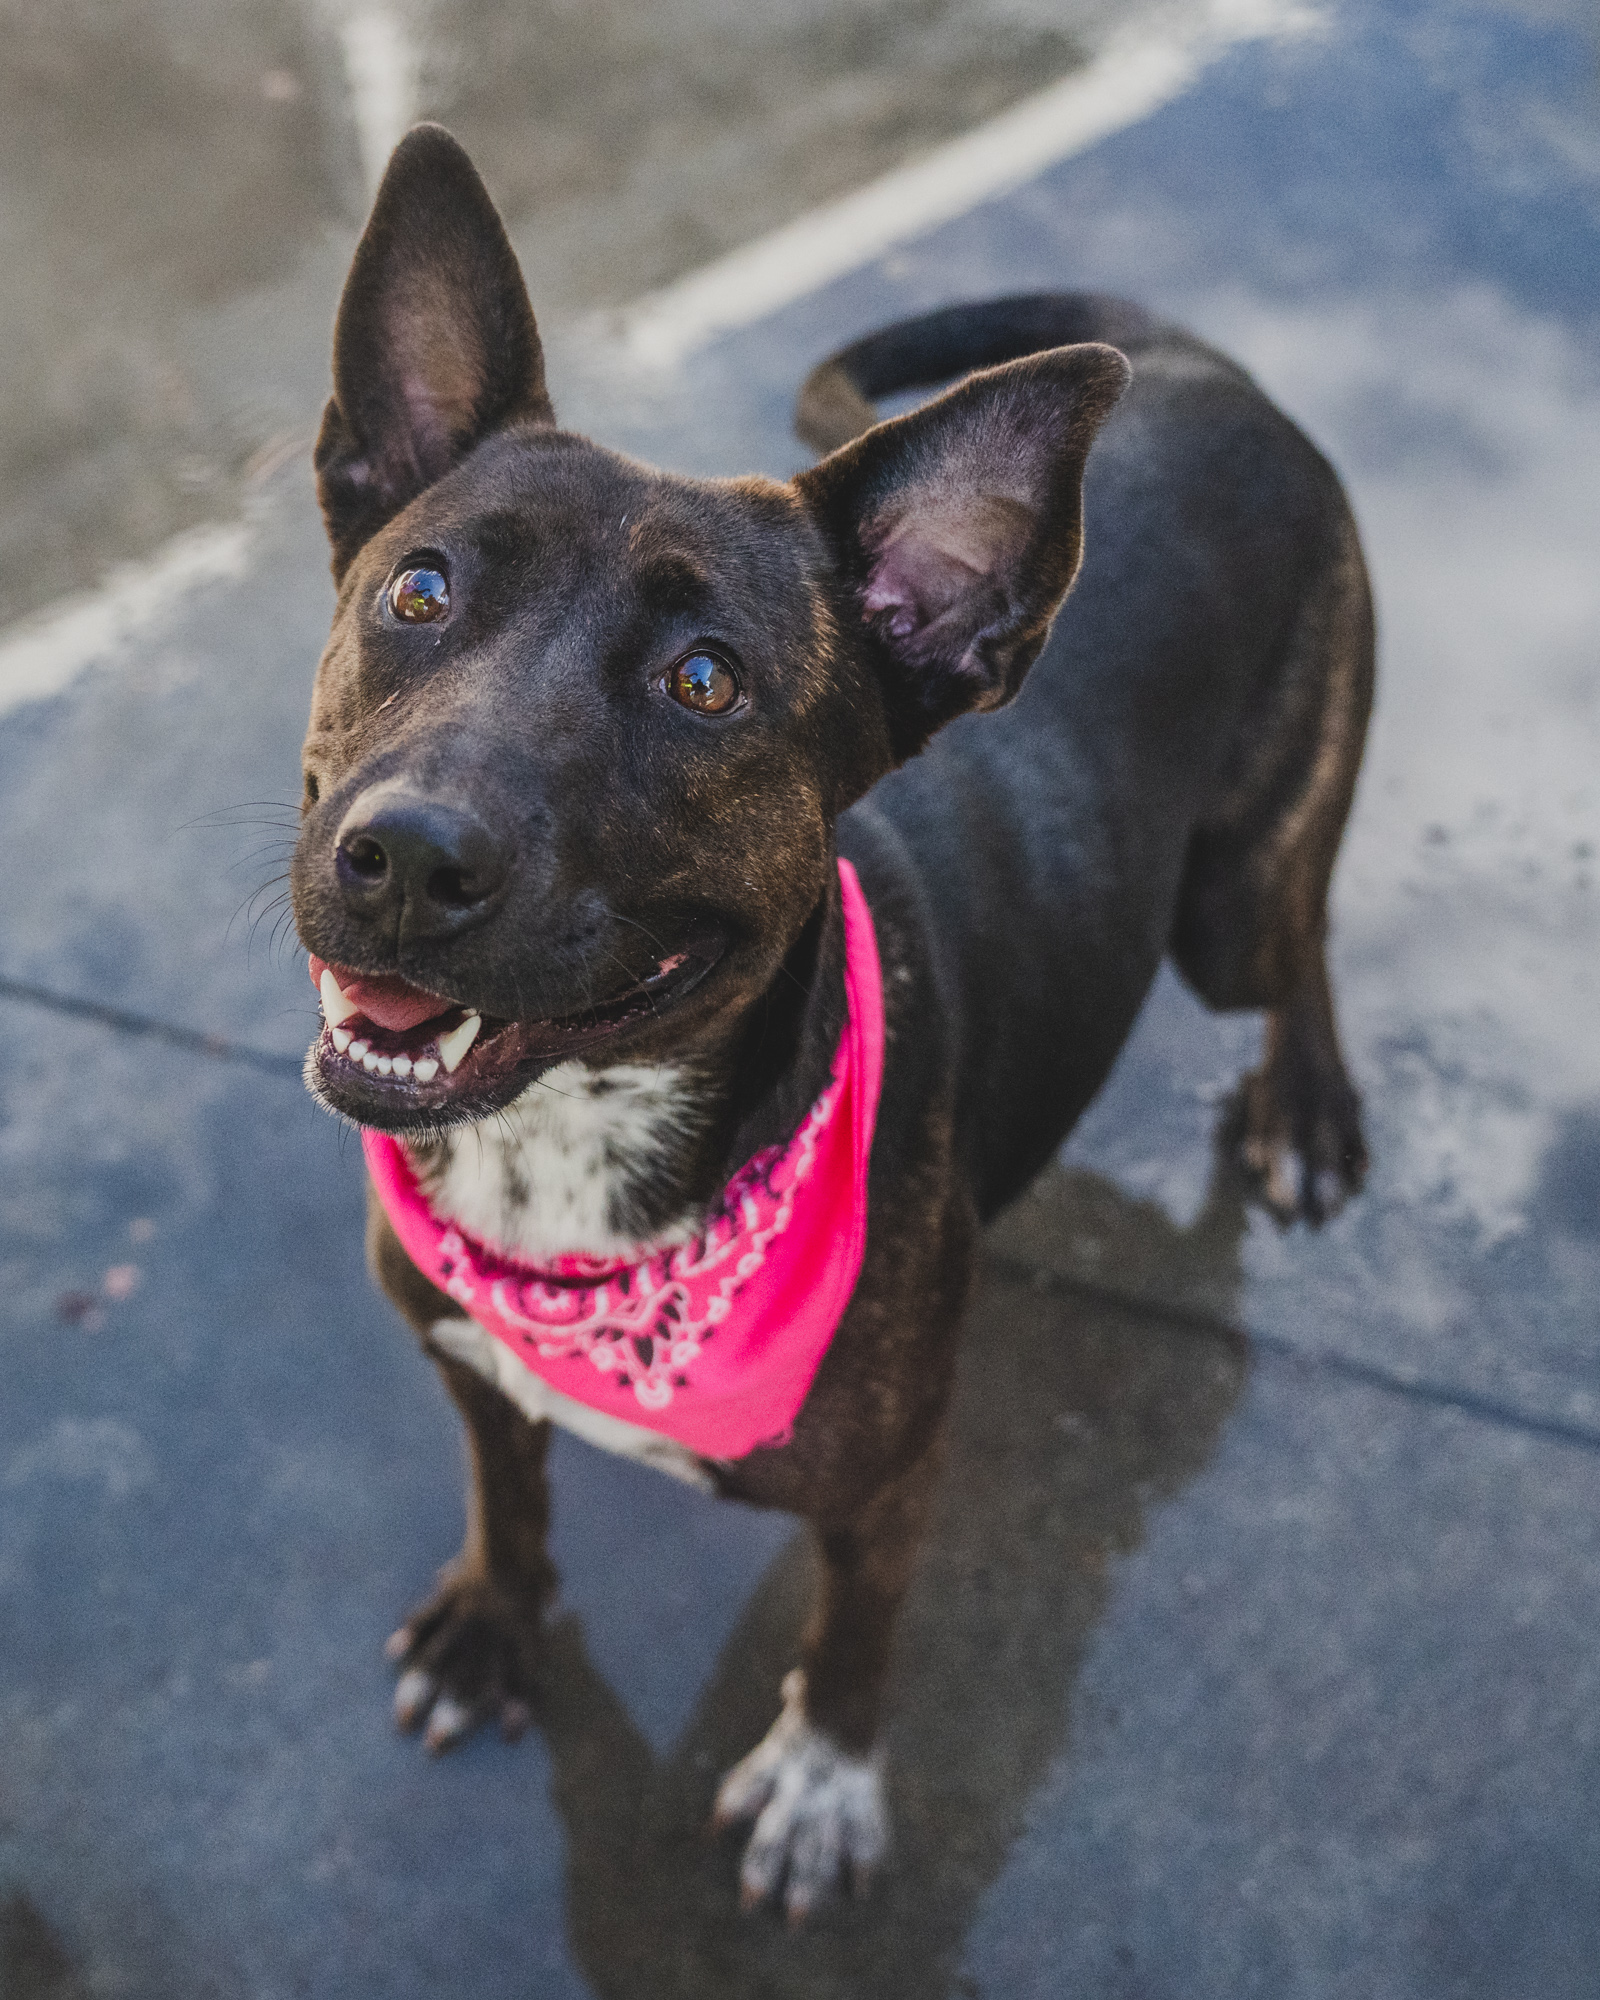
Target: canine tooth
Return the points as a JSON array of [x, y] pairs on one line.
[[425, 1070], [369, 1062], [341, 1039], [336, 1009], [453, 1047], [386, 1065], [359, 1049], [402, 1065]]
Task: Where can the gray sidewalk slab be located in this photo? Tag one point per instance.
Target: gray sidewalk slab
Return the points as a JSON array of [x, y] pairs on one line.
[[1255, 1649]]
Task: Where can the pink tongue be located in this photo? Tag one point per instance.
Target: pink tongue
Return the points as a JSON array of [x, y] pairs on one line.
[[390, 1002]]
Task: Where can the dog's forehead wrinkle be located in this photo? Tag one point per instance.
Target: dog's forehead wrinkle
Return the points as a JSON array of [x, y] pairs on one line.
[[512, 487]]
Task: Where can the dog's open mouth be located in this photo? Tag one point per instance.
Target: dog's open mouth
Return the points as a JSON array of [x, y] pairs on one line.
[[391, 1052]]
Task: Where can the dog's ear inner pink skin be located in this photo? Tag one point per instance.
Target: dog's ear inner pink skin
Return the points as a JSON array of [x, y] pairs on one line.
[[435, 345], [960, 528]]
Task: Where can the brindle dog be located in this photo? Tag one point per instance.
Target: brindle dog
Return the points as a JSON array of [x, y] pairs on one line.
[[585, 743]]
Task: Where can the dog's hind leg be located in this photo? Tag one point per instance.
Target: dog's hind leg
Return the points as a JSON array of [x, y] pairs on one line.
[[1251, 922], [473, 1652]]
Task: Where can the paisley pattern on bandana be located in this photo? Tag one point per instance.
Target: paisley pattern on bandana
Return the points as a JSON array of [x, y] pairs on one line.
[[714, 1342], [644, 1326]]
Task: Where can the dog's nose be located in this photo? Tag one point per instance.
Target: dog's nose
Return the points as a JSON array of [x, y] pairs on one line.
[[432, 866]]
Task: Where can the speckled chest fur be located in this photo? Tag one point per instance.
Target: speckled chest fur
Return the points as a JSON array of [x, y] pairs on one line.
[[580, 1164], [576, 1165]]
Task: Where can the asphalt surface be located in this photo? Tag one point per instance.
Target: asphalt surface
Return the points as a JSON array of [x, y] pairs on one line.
[[1255, 1651]]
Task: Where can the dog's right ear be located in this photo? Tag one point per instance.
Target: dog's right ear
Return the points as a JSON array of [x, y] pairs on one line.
[[434, 347]]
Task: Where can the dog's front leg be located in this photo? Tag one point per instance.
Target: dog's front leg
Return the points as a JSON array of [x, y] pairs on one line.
[[814, 1784], [473, 1652]]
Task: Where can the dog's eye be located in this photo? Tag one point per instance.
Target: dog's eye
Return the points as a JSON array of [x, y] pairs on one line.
[[704, 683], [419, 596]]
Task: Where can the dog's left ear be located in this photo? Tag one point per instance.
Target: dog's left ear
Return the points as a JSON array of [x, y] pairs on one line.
[[435, 345], [959, 529]]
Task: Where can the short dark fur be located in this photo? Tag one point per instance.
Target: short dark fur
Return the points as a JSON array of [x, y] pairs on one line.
[[1173, 775]]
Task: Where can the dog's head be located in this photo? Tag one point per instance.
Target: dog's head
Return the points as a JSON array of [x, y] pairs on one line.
[[582, 728]]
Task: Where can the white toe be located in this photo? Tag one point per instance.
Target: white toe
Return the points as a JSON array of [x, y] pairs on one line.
[[818, 1810], [413, 1696], [449, 1722]]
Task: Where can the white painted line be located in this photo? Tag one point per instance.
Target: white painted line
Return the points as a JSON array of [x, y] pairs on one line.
[[1137, 72], [49, 651], [380, 66]]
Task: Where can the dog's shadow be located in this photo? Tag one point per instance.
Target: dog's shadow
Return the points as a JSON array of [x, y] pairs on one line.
[[1074, 1415]]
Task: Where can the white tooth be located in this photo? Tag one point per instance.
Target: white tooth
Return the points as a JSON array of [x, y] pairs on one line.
[[386, 1065], [341, 1039], [359, 1049], [425, 1070], [402, 1065], [336, 1009], [453, 1047], [369, 1061]]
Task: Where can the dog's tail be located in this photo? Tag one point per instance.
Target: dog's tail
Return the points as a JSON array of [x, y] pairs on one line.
[[836, 402]]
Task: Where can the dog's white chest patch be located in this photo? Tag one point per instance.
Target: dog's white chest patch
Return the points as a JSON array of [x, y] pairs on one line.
[[559, 1173], [560, 1170]]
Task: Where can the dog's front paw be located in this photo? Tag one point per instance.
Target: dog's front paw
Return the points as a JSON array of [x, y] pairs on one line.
[[470, 1655], [819, 1812]]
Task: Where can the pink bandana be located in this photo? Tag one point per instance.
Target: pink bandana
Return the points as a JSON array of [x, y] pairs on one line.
[[714, 1342]]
